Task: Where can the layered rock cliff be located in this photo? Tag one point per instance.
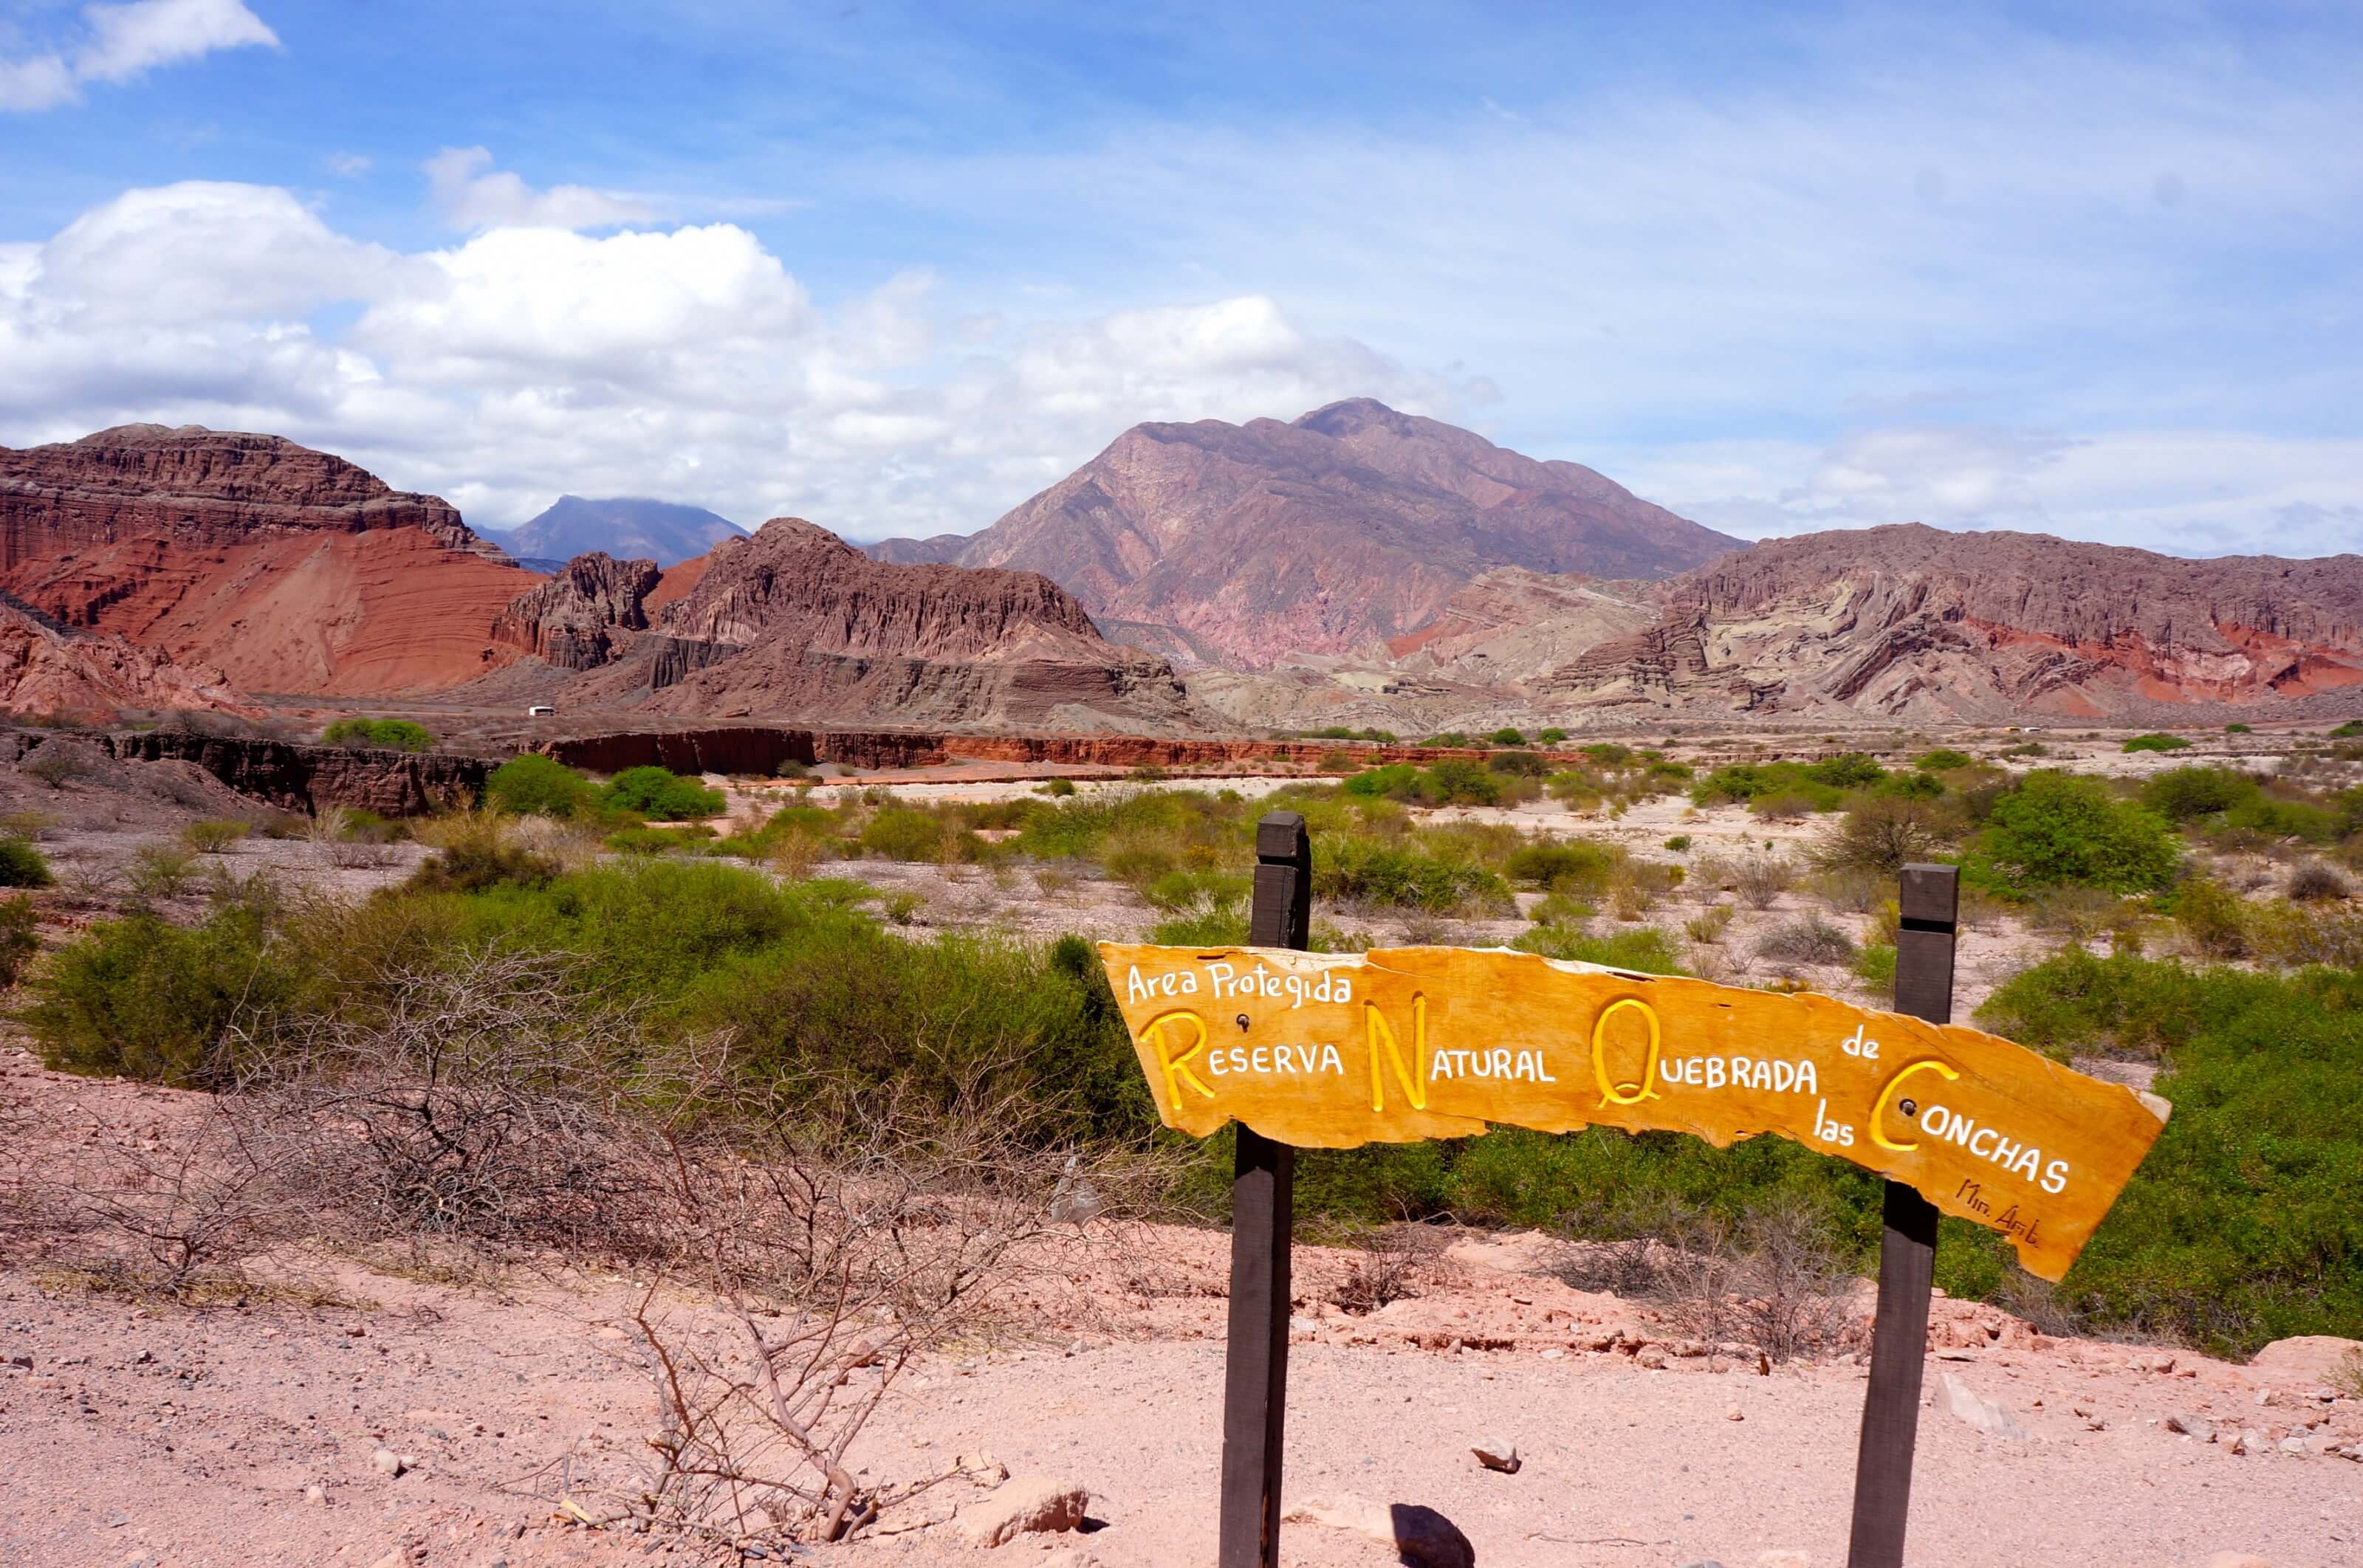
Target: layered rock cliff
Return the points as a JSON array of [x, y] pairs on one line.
[[290, 570], [1913, 622], [1241, 545], [792, 622]]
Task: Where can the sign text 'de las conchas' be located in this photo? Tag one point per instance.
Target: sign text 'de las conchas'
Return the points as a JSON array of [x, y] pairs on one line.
[[1398, 1044]]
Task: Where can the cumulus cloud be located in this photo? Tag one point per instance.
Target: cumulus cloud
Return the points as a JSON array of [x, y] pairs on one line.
[[689, 362], [123, 42], [469, 194]]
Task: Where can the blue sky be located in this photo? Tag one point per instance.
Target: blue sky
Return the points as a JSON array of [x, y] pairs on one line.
[[2093, 271]]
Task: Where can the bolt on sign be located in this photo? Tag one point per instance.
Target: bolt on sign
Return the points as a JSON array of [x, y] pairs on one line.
[[1399, 1044]]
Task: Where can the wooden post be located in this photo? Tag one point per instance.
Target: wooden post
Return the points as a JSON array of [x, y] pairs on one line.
[[1928, 902], [1255, 1374]]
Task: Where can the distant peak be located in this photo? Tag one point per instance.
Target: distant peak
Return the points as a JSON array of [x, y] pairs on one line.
[[1350, 415]]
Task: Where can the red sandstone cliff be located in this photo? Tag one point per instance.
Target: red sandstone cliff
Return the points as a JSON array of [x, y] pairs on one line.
[[51, 671], [1240, 544], [1911, 621], [293, 571]]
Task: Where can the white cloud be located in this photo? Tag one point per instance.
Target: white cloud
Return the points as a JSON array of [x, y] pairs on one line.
[[348, 165], [126, 42], [690, 363], [469, 194], [2197, 493]]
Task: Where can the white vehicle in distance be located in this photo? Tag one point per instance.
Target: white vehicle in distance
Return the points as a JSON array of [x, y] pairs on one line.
[[541, 711]]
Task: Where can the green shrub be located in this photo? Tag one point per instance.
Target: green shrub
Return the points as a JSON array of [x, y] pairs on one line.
[[160, 870], [1885, 833], [1518, 764], [141, 998], [387, 734], [535, 784], [1943, 759], [898, 832], [1456, 740], [1573, 865], [660, 795], [1875, 967], [21, 937], [1506, 736], [1679, 843], [1641, 947], [1057, 789], [478, 854], [2241, 1226], [1608, 754], [1551, 736], [2347, 731], [213, 835], [660, 841], [2238, 730], [2179, 794], [1358, 871], [2052, 829], [2155, 742], [22, 865]]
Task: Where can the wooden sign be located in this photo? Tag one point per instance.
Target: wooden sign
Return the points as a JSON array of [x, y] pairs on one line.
[[1398, 1044]]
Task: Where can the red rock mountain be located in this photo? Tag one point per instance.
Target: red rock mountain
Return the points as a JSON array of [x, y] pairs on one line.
[[1915, 622], [51, 671], [792, 623], [1239, 545], [290, 570]]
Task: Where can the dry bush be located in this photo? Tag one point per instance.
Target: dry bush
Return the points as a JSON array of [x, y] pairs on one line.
[[2347, 1376], [1882, 835], [1853, 892], [2313, 881], [1773, 1281], [1395, 1263], [1708, 926], [1762, 878], [471, 1102], [836, 1255], [2291, 937], [1808, 939]]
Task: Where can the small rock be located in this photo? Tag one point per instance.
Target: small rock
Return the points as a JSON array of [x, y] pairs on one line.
[[1554, 1355], [1653, 1358], [1420, 1536], [2292, 1445], [1302, 1326], [1023, 1506], [982, 1467], [1734, 1413], [2198, 1426], [2265, 1397], [1984, 1414], [315, 1493], [385, 1462], [1496, 1454]]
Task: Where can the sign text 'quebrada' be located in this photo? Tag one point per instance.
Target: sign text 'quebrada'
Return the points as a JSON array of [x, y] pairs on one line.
[[1398, 1044]]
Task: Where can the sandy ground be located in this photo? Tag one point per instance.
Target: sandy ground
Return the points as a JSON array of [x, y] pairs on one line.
[[152, 1435]]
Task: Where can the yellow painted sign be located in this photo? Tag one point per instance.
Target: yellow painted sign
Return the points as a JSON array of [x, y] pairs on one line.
[[1398, 1044]]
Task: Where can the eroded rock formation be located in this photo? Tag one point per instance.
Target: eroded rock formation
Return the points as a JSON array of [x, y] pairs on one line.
[[53, 671], [291, 570], [1913, 622], [793, 622], [583, 616]]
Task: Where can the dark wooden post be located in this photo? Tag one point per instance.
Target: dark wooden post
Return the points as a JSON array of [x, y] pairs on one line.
[[1255, 1374], [1928, 901]]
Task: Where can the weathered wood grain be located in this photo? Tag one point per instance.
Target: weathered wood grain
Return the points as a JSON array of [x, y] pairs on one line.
[[1399, 1044]]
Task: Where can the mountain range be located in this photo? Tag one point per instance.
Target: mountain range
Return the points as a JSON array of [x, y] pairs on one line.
[[623, 528], [1236, 546], [1355, 566]]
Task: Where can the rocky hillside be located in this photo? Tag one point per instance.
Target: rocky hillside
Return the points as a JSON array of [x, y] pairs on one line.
[[51, 671], [622, 526], [1238, 546], [1916, 623], [289, 570], [791, 622]]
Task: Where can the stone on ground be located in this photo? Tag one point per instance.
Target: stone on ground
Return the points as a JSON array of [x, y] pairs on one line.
[[1026, 1506], [1419, 1535], [1984, 1414], [1497, 1453]]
